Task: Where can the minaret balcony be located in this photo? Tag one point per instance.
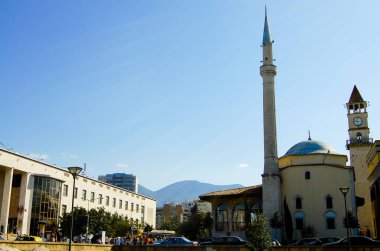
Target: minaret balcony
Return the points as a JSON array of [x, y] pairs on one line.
[[358, 141]]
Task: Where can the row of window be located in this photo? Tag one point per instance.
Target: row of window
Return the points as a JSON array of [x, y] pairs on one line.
[[100, 199], [328, 200], [329, 216]]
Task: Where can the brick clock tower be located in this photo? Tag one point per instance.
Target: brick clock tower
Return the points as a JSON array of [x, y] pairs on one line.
[[359, 145]]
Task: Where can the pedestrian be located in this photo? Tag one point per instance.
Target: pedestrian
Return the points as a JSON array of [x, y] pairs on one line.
[[1, 236]]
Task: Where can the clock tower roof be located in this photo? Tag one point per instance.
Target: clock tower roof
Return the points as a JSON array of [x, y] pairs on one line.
[[355, 96]]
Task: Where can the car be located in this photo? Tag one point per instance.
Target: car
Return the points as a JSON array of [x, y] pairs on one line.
[[29, 238], [226, 240], [354, 241], [177, 241], [304, 242], [323, 240]]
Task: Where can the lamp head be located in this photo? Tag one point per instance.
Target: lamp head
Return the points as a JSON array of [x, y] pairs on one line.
[[344, 190], [74, 170]]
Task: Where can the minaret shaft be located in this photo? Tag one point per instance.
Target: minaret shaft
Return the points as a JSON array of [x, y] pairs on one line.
[[271, 175]]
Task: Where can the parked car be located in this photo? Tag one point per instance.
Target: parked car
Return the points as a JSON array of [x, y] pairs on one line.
[[275, 243], [354, 241], [177, 241], [323, 240], [304, 242], [29, 238], [226, 240]]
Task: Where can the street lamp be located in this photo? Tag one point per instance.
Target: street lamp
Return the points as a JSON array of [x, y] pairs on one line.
[[88, 214], [344, 191], [75, 171]]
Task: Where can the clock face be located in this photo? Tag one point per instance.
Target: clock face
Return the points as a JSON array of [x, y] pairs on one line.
[[358, 121]]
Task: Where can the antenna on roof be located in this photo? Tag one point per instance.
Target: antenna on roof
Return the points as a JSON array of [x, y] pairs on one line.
[[84, 170], [309, 136]]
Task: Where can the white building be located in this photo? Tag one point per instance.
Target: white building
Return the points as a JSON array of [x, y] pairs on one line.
[[33, 194]]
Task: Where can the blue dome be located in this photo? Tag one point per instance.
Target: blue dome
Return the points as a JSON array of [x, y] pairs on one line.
[[310, 147]]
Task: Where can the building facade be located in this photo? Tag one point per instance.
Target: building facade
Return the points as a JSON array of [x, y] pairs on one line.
[[373, 163], [34, 194], [312, 174], [123, 180]]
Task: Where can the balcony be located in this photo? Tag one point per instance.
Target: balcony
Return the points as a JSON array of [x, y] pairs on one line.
[[358, 141]]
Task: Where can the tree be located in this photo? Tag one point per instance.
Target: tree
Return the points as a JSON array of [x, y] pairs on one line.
[[197, 224], [276, 222], [171, 224], [352, 221], [258, 232], [80, 221], [148, 228], [288, 221]]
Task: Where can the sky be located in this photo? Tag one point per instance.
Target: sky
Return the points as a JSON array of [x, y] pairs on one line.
[[170, 90]]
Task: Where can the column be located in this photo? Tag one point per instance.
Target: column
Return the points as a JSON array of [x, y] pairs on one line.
[[5, 202]]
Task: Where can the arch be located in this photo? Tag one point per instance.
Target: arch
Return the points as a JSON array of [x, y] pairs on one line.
[[298, 202], [299, 218], [221, 217], [359, 137], [307, 175], [330, 219], [329, 202], [238, 221], [256, 208]]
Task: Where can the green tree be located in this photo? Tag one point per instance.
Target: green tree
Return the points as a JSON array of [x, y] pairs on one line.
[[80, 222], [258, 232], [352, 221], [148, 228], [197, 225], [288, 222], [171, 224]]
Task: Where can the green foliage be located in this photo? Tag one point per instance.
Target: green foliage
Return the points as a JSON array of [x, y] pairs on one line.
[[148, 228], [99, 220], [276, 221], [352, 221], [171, 224], [258, 232], [197, 226]]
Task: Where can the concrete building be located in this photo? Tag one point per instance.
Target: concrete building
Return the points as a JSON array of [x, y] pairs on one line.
[[373, 163], [34, 194], [312, 174], [123, 180]]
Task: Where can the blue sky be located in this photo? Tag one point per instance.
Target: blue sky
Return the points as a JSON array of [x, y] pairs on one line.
[[171, 90]]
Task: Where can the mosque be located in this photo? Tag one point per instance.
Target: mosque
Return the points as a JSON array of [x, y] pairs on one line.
[[308, 187]]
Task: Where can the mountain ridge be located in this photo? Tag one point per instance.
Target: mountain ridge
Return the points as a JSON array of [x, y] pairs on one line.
[[181, 191]]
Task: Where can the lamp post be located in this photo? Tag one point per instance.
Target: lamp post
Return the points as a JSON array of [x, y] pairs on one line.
[[75, 171], [344, 191]]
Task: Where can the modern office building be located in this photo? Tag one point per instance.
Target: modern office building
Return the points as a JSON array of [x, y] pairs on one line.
[[124, 180], [34, 194]]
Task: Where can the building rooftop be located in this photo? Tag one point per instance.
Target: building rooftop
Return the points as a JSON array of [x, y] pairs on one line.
[[310, 147], [251, 190]]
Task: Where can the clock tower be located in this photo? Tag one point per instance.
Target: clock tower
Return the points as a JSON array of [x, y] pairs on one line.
[[359, 144]]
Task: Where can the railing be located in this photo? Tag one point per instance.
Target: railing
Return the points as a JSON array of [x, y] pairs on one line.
[[358, 141]]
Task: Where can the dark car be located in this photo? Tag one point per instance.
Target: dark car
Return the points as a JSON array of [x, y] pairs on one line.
[[304, 242], [354, 241], [177, 241], [323, 240], [226, 240]]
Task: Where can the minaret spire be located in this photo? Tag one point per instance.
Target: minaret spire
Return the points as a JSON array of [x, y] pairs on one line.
[[271, 176], [266, 34]]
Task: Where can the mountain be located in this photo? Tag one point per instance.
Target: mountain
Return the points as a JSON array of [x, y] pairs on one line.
[[182, 191]]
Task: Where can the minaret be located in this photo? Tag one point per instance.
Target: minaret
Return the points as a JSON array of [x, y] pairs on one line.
[[271, 175]]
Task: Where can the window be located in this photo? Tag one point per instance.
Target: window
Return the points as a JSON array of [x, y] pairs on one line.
[[298, 203], [255, 209], [299, 216], [222, 217], [307, 175], [131, 206], [120, 204], [100, 199], [92, 197], [107, 200], [65, 190], [84, 194], [64, 209], [238, 223], [329, 202], [126, 205], [114, 202], [330, 220], [359, 137], [75, 192], [137, 207]]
